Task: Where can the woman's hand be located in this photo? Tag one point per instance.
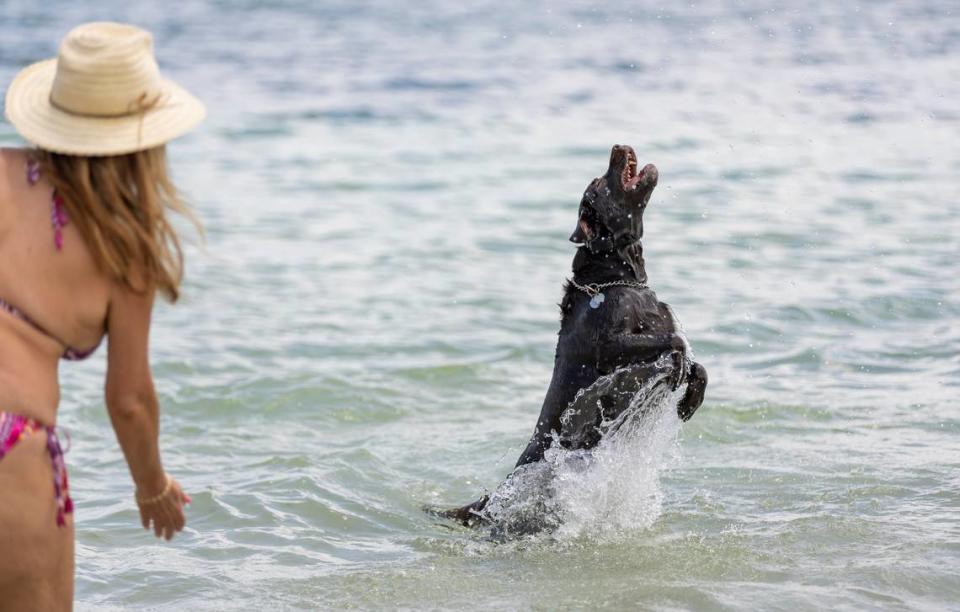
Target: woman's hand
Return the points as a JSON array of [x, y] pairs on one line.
[[164, 510]]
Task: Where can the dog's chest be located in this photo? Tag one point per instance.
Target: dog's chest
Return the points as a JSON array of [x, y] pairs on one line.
[[580, 329], [626, 310]]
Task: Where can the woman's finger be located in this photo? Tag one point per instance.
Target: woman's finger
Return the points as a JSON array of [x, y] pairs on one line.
[[176, 516], [184, 498], [177, 494], [179, 519], [157, 527], [168, 519], [172, 524]]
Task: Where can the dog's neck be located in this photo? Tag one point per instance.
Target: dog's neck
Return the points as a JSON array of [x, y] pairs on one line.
[[621, 264]]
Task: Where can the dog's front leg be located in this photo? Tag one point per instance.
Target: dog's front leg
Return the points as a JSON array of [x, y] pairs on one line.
[[541, 439], [625, 349]]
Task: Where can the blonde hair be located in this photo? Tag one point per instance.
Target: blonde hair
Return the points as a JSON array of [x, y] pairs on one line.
[[118, 203]]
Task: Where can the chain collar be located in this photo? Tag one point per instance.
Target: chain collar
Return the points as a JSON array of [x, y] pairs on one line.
[[594, 289]]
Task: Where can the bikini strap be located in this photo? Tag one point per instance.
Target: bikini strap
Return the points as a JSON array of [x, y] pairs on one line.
[[58, 212]]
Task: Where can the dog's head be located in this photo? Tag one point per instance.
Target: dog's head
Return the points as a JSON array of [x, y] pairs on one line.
[[611, 211]]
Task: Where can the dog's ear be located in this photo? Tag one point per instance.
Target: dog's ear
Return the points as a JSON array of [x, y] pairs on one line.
[[586, 230]]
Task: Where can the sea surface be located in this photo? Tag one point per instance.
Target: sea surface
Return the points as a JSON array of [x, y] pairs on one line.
[[368, 325]]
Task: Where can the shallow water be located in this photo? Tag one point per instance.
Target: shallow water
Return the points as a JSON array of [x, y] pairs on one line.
[[370, 325]]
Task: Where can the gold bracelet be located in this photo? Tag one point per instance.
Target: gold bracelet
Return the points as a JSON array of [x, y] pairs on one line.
[[156, 498]]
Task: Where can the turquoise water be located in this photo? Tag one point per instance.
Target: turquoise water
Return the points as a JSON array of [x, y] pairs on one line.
[[370, 324]]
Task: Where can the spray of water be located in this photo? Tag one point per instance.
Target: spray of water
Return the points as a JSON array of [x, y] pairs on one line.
[[603, 492]]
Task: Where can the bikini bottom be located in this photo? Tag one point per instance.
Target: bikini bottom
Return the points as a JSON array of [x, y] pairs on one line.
[[15, 428]]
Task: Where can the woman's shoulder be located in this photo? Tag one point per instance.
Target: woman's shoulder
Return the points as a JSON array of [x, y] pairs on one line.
[[13, 176], [13, 154], [11, 160]]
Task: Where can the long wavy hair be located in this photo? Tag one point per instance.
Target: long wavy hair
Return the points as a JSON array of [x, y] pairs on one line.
[[119, 205]]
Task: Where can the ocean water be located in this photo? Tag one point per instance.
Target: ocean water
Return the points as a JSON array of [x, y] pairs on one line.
[[369, 325]]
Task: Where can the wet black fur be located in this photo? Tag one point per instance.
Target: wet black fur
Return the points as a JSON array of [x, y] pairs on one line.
[[626, 334]]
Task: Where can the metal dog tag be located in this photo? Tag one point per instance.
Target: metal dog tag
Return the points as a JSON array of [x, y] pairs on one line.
[[596, 300]]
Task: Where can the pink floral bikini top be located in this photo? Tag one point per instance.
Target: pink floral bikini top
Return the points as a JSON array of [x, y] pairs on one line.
[[58, 219]]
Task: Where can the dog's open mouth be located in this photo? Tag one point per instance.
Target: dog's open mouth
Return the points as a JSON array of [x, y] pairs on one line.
[[629, 178]]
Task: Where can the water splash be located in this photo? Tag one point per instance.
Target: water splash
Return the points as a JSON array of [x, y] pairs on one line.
[[611, 489]]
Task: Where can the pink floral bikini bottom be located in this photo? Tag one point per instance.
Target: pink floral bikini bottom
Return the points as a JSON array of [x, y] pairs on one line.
[[13, 429]]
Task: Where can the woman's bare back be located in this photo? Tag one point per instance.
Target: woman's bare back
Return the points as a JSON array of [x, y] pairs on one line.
[[61, 292]]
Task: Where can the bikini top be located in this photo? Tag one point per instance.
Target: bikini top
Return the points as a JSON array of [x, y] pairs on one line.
[[58, 219]]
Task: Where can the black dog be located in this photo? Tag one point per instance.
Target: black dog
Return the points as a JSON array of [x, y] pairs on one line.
[[612, 324]]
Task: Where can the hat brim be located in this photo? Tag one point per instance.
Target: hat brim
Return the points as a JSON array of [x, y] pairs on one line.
[[29, 109]]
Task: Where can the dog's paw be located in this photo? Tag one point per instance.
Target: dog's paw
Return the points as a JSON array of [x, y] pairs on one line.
[[678, 343], [696, 389], [468, 516]]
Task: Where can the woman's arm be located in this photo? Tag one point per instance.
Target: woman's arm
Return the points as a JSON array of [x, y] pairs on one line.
[[134, 410]]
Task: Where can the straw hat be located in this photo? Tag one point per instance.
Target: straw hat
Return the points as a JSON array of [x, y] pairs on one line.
[[103, 95]]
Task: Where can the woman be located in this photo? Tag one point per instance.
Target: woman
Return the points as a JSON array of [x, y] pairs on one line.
[[84, 248]]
